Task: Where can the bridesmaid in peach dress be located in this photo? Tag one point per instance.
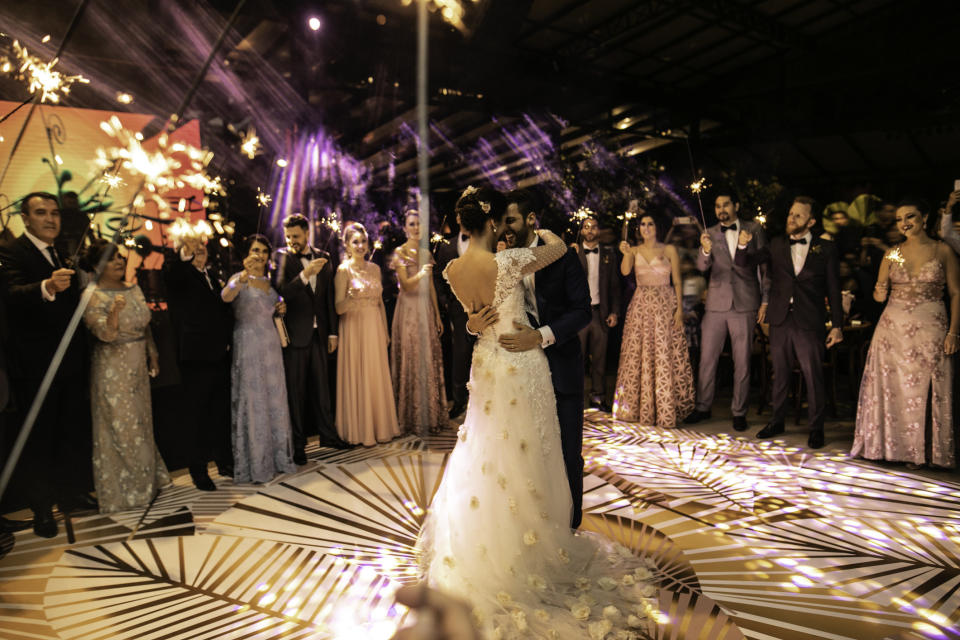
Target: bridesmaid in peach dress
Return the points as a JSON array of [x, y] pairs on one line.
[[907, 380], [654, 379], [366, 413], [416, 359]]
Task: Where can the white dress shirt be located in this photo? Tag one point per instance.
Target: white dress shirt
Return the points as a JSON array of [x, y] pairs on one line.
[[799, 251], [530, 303], [42, 246], [312, 280], [593, 273], [731, 237]]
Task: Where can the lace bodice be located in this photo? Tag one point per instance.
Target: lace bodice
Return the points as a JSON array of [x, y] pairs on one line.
[[364, 288], [655, 273], [926, 286]]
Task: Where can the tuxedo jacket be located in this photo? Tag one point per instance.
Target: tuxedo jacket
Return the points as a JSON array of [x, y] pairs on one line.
[[563, 303], [304, 306], [36, 325], [448, 303], [202, 321], [819, 279], [608, 280], [734, 287]]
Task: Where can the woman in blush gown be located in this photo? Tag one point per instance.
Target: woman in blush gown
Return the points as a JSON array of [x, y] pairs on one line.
[[654, 379], [498, 530], [366, 413], [262, 446], [908, 372], [127, 468], [416, 359]]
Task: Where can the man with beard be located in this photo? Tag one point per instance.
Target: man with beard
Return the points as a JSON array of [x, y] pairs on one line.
[[557, 302], [733, 306], [599, 262], [803, 271], [304, 277]]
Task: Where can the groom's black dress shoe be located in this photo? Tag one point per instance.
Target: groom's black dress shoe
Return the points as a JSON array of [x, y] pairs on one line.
[[739, 423], [202, 481], [815, 441], [772, 429], [299, 457], [457, 409], [44, 525], [696, 417]]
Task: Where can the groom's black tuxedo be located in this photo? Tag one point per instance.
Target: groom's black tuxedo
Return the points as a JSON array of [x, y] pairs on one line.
[[563, 304]]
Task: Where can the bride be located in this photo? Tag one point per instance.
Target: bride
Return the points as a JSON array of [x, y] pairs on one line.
[[497, 533]]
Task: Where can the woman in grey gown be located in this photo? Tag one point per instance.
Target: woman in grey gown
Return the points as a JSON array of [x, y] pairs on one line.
[[127, 468], [262, 446]]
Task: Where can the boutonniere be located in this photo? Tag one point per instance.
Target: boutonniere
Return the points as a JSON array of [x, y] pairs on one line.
[[816, 248]]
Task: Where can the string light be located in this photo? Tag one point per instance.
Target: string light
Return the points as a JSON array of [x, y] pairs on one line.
[[124, 98], [41, 77]]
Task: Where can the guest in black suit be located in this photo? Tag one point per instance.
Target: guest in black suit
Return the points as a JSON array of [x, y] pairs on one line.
[[304, 277], [455, 318], [803, 270], [557, 300], [42, 296], [203, 326], [600, 264]]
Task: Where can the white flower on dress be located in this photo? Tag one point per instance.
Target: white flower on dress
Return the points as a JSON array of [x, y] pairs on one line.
[[504, 598], [580, 611], [587, 599], [582, 583], [536, 582], [628, 580], [648, 590], [541, 615], [607, 583], [599, 630], [512, 504], [611, 613], [520, 619], [642, 574], [634, 621], [563, 555], [462, 433], [623, 551], [530, 538]]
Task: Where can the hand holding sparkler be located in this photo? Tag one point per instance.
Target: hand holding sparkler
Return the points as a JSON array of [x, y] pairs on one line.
[[625, 247], [119, 302], [58, 281], [744, 238], [314, 267], [706, 244]]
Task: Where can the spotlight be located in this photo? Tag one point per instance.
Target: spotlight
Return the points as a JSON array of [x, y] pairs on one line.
[[281, 162], [314, 23], [124, 98]]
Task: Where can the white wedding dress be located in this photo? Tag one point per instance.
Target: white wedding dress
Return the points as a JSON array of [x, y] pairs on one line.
[[498, 530]]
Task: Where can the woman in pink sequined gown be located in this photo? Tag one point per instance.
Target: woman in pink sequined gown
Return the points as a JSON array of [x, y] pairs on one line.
[[416, 359], [366, 413], [654, 379], [909, 369]]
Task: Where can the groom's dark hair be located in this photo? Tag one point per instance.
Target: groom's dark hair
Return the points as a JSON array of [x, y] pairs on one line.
[[527, 200]]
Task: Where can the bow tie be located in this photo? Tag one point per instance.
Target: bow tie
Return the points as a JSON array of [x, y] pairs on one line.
[[800, 241], [724, 229], [594, 250], [464, 237]]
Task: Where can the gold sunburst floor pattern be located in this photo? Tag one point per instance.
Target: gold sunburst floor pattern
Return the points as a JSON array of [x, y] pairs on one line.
[[752, 540]]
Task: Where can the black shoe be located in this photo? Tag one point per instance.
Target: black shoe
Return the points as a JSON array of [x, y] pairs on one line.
[[44, 525], [203, 481], [739, 423], [79, 502], [225, 470], [596, 402], [341, 444], [696, 417], [299, 457], [12, 526], [772, 429], [815, 441], [457, 409]]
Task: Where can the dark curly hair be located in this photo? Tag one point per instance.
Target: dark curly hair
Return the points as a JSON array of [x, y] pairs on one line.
[[479, 206]]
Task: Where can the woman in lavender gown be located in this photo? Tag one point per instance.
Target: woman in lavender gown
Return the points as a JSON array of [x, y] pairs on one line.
[[261, 418], [909, 371]]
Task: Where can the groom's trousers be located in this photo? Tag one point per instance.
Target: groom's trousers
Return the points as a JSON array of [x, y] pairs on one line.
[[570, 414]]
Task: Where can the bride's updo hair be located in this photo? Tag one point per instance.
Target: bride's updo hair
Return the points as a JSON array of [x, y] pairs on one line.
[[476, 206]]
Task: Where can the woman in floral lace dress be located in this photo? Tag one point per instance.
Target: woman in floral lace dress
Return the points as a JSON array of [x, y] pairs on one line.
[[908, 371], [127, 467], [416, 360], [654, 379]]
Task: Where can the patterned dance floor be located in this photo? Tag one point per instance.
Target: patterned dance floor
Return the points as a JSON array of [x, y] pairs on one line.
[[752, 540]]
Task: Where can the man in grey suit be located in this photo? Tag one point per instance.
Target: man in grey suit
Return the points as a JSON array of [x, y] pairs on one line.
[[735, 303]]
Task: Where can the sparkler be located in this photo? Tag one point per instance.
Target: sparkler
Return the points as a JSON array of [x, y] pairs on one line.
[[699, 185], [250, 143], [263, 198], [761, 217], [172, 166], [436, 238], [41, 77], [451, 10], [896, 256]]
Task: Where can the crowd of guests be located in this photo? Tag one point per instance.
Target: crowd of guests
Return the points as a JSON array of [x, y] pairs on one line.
[[402, 340]]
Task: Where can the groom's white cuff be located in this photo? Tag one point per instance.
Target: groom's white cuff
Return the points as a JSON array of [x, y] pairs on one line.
[[546, 336]]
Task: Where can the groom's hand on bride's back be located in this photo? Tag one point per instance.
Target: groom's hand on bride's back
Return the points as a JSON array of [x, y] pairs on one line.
[[524, 339], [477, 322]]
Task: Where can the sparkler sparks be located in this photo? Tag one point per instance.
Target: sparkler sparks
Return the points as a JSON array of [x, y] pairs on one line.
[[582, 214], [896, 256], [698, 185], [250, 143], [451, 10], [437, 238], [263, 199], [761, 217], [40, 76], [112, 180], [172, 166]]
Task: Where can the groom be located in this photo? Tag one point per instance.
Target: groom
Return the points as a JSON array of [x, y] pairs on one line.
[[557, 302]]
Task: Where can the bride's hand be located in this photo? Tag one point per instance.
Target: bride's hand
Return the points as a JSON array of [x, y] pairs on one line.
[[548, 237], [440, 617]]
